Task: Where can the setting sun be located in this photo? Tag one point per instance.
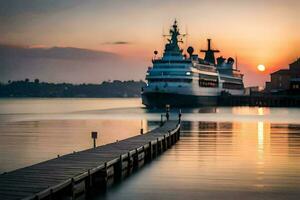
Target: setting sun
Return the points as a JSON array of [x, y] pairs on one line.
[[261, 68]]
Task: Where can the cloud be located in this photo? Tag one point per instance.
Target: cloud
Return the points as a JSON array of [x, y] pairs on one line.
[[118, 43], [65, 53], [66, 64]]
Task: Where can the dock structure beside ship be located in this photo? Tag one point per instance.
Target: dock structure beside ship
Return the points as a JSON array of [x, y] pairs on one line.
[[261, 100], [80, 174]]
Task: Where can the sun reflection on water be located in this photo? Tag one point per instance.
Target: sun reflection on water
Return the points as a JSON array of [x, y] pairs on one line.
[[260, 136]]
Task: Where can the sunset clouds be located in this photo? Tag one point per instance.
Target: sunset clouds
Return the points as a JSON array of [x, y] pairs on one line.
[[258, 32]]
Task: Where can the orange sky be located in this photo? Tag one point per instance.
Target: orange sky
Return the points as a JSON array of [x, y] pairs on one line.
[[258, 32]]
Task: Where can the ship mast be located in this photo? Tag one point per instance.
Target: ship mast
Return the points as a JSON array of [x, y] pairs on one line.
[[210, 53], [174, 34], [172, 48]]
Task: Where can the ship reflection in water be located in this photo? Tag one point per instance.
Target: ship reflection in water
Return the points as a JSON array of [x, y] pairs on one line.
[[222, 160]]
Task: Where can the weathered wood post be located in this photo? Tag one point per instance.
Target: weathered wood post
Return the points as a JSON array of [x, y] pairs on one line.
[[128, 164], [118, 167], [51, 196], [169, 139], [135, 159], [72, 189], [173, 140], [104, 177], [94, 137], [88, 184]]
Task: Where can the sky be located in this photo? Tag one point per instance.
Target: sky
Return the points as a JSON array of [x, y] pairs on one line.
[[257, 32]]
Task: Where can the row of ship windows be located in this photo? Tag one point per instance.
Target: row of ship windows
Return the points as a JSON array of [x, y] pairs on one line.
[[230, 79], [208, 83], [169, 80], [226, 85], [232, 86], [171, 63], [187, 73], [202, 83], [166, 73]]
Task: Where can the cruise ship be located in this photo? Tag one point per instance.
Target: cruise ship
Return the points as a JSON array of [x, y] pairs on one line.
[[181, 80]]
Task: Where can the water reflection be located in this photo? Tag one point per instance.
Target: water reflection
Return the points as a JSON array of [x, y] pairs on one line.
[[224, 153], [260, 136], [25, 143], [222, 160]]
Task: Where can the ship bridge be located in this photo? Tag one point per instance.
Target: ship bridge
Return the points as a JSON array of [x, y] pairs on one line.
[[173, 66]]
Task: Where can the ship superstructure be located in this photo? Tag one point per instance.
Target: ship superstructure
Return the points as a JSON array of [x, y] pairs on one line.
[[179, 80]]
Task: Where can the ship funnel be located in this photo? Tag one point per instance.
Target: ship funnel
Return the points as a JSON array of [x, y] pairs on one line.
[[209, 53]]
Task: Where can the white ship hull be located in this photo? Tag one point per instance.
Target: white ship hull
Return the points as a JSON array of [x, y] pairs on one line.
[[175, 96], [157, 99]]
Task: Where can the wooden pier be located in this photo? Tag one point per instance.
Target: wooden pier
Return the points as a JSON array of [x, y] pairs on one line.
[[77, 175]]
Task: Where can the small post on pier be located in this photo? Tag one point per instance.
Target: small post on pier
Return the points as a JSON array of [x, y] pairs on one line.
[[161, 120], [167, 112], [142, 130], [94, 137]]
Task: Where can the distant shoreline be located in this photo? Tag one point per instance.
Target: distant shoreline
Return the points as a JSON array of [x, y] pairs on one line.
[[70, 97], [37, 89]]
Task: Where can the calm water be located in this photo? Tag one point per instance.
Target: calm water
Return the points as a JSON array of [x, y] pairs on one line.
[[224, 153]]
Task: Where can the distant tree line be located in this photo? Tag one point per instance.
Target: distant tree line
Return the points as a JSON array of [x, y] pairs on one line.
[[27, 88]]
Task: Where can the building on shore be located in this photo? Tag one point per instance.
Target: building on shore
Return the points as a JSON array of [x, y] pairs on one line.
[[285, 80], [253, 90], [295, 84]]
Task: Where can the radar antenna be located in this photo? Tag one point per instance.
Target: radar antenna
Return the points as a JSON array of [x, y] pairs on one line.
[[174, 38], [174, 30]]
